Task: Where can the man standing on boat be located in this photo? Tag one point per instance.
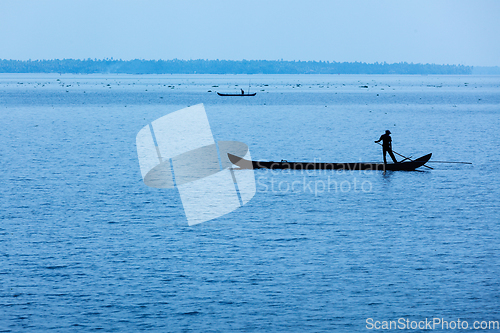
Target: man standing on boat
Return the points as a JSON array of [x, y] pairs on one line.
[[387, 145]]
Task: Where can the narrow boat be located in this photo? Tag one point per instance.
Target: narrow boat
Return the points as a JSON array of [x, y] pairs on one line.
[[253, 94], [402, 166]]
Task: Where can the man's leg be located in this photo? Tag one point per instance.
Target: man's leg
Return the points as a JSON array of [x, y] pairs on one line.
[[392, 156], [384, 153]]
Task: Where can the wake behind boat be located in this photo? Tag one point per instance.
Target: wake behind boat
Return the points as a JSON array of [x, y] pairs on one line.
[[402, 166]]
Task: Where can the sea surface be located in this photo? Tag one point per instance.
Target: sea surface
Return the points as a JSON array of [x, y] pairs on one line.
[[86, 246]]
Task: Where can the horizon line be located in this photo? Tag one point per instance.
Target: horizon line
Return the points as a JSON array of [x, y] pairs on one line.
[[249, 60]]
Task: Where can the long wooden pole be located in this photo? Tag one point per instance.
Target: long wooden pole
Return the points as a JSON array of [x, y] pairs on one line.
[[406, 158], [449, 162]]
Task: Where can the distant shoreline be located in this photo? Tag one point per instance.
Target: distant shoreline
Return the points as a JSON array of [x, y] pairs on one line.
[[111, 66]]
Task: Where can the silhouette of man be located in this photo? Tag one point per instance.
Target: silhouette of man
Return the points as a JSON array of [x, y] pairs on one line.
[[387, 145]]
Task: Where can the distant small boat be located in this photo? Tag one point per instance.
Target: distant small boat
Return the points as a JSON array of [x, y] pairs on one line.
[[236, 94]]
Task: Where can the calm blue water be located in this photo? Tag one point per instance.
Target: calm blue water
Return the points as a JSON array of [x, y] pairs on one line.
[[85, 245]]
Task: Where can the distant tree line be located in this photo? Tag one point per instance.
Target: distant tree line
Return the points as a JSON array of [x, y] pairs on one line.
[[176, 66]]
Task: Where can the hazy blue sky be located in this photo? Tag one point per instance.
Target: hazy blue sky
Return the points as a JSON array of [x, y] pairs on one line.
[[434, 31]]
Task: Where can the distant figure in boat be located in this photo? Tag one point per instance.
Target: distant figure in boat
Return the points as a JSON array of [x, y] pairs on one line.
[[242, 92], [387, 145]]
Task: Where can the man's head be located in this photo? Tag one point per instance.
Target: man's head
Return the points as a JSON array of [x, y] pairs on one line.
[[387, 132]]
